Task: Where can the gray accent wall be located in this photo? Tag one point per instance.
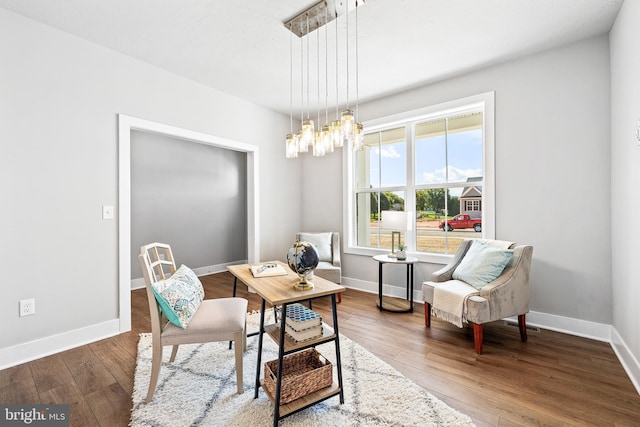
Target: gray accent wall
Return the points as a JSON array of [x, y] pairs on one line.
[[191, 196]]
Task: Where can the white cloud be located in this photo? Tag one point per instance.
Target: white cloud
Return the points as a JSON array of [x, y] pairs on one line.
[[387, 152], [455, 175]]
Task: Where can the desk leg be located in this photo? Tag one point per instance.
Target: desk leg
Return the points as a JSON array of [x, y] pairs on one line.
[[411, 293], [260, 336], [380, 286], [276, 413], [337, 341]]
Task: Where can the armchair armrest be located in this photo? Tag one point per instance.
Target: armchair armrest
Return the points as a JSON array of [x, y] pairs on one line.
[[446, 272], [508, 295], [335, 249]]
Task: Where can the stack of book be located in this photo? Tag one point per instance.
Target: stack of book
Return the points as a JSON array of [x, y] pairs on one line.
[[302, 323]]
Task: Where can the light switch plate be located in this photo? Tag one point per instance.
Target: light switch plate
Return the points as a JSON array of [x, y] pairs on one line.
[[107, 212]]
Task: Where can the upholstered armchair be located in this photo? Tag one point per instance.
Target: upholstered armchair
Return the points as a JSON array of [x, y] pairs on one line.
[[328, 246], [478, 290]]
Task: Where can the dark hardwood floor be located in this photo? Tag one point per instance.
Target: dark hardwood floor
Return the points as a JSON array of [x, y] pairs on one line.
[[553, 379]]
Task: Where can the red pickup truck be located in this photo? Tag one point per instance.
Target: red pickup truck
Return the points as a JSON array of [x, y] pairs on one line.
[[461, 221]]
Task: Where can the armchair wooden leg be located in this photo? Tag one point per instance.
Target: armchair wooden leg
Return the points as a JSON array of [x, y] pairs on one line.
[[340, 297], [427, 314], [477, 337], [522, 325]]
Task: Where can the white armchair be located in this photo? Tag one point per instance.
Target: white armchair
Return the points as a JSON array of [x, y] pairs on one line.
[[328, 246], [505, 296]]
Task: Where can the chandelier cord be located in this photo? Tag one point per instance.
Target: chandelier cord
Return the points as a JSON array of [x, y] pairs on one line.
[[291, 77], [308, 79], [301, 82], [326, 67], [346, 13], [318, 63], [337, 89]]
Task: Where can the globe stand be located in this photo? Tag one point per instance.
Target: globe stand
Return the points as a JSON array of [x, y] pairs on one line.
[[303, 284]]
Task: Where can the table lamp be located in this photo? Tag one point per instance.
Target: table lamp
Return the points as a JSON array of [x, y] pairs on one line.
[[394, 221]]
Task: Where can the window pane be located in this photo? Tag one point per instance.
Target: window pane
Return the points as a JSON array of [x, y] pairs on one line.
[[440, 224], [393, 158], [368, 163], [431, 152], [383, 162], [368, 232], [366, 223], [464, 141]]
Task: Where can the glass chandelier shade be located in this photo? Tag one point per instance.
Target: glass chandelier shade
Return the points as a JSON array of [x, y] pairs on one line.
[[318, 145], [326, 138], [336, 134], [358, 137], [306, 135], [291, 144], [347, 122]]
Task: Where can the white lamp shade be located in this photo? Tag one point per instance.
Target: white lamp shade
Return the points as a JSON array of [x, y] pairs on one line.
[[394, 220]]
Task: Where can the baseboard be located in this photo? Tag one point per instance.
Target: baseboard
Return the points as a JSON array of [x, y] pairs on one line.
[[201, 271], [567, 325], [626, 357], [387, 290], [32, 350]]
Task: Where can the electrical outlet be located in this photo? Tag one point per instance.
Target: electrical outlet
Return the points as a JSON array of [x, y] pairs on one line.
[[27, 307]]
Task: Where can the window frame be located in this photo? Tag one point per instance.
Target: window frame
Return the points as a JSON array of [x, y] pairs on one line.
[[485, 101]]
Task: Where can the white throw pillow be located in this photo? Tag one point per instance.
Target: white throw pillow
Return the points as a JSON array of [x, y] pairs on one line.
[[322, 242], [481, 264]]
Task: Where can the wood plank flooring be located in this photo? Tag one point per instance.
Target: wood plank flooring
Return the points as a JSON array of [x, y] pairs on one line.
[[552, 380]]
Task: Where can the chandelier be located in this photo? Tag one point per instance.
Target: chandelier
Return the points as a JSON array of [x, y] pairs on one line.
[[344, 128]]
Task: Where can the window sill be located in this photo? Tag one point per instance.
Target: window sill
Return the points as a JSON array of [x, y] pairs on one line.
[[440, 259]]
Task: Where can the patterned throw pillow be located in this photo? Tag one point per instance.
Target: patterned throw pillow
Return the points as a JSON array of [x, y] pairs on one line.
[[322, 243], [179, 296], [481, 264]]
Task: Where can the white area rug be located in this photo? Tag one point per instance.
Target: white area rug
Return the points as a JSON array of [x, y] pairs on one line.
[[199, 389]]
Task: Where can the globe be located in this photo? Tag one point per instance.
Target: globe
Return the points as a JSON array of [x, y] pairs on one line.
[[303, 259]]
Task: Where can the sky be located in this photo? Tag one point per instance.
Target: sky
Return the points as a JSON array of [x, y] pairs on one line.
[[464, 155]]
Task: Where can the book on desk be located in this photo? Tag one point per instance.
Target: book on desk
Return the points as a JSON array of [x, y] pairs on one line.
[[267, 269]]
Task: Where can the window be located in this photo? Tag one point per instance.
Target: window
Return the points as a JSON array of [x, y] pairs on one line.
[[436, 166]]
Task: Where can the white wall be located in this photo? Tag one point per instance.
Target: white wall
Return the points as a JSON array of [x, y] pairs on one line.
[[59, 100], [552, 175], [625, 181]]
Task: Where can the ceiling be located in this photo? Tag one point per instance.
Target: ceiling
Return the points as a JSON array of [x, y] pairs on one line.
[[242, 47]]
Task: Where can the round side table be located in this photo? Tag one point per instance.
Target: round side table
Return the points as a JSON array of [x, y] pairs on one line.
[[394, 304]]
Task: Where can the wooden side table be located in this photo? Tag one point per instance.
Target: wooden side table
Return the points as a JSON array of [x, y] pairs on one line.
[[394, 304]]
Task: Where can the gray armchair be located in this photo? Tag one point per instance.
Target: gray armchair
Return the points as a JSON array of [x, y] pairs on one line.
[[328, 246], [507, 295]]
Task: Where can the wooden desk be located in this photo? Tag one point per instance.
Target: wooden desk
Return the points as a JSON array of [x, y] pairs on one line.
[[279, 290]]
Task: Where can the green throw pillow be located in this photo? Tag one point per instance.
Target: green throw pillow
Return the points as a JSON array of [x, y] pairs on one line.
[[482, 264], [179, 296]]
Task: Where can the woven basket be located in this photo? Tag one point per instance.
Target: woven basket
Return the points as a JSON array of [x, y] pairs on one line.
[[302, 373]]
